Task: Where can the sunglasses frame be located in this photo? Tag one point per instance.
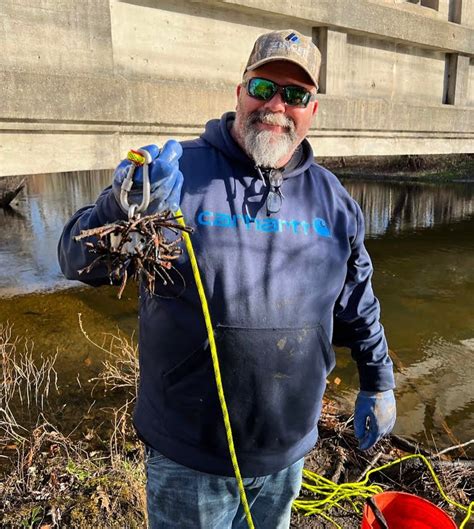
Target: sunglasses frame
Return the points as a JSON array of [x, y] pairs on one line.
[[275, 197], [281, 89]]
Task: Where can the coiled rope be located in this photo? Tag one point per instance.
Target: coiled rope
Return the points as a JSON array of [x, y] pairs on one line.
[[333, 495]]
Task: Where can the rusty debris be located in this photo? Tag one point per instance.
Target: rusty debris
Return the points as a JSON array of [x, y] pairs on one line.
[[141, 248]]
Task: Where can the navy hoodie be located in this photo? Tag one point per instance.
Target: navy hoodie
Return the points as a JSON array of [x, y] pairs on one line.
[[280, 288]]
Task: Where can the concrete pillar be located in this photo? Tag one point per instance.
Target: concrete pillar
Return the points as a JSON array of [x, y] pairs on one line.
[[443, 9], [457, 69], [333, 47], [467, 13], [455, 10], [458, 11]]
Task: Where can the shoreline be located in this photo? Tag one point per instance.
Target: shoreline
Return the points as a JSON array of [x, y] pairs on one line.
[[449, 168], [440, 168]]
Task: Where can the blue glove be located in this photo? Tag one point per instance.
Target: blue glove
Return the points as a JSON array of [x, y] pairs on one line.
[[166, 180], [374, 416]]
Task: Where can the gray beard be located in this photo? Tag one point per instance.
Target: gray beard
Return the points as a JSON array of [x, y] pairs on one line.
[[264, 146]]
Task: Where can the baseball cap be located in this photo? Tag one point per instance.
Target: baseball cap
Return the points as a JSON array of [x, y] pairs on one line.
[[286, 45]]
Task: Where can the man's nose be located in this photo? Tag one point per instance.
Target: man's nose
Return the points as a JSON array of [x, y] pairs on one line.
[[276, 103]]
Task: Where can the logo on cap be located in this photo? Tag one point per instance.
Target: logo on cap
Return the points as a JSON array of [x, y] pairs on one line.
[[292, 37]]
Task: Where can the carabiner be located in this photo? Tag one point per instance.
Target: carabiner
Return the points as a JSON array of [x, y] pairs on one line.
[[133, 209]]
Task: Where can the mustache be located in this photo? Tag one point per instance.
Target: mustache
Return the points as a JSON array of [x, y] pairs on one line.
[[270, 118]]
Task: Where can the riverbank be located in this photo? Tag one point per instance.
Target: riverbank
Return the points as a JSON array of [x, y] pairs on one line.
[[336, 458], [94, 477], [436, 168], [55, 477], [409, 168]]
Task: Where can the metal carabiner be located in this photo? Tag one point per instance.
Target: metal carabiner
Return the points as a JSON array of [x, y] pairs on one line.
[[134, 209]]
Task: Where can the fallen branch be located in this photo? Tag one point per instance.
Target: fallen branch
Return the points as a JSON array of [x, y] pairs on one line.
[[372, 463], [456, 447], [7, 195], [409, 446]]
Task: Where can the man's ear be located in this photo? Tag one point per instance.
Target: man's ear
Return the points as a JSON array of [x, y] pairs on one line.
[[238, 91], [315, 108]]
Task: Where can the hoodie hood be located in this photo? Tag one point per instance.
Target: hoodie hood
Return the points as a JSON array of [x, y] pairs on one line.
[[217, 133]]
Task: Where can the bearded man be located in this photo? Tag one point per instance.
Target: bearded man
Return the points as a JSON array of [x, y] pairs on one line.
[[279, 243]]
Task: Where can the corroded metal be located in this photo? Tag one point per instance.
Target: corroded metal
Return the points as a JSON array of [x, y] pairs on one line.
[[142, 248]]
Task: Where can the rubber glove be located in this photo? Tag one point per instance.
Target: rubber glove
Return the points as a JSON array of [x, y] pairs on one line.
[[166, 180], [374, 416]]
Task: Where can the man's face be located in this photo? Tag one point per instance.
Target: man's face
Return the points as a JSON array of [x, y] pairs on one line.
[[270, 131]]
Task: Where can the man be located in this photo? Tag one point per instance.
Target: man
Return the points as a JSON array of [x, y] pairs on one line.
[[279, 243]]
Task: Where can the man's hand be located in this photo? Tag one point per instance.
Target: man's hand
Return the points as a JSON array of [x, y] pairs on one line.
[[165, 178], [374, 417]]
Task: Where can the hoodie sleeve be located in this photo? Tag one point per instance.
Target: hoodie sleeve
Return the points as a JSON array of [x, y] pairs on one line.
[[357, 318], [74, 255]]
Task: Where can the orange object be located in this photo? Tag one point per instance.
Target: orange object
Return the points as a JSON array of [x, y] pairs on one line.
[[406, 511]]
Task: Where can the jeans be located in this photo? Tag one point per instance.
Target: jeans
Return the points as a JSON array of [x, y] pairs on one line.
[[181, 498]]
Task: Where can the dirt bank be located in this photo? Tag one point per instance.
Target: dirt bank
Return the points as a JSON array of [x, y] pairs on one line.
[[434, 168], [337, 458]]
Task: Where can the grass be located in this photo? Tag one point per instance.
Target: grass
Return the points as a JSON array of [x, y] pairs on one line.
[[50, 479], [426, 168]]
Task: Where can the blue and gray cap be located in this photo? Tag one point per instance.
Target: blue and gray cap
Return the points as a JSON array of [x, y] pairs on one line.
[[286, 45]]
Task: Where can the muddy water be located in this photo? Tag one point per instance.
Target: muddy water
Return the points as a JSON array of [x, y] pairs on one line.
[[421, 241]]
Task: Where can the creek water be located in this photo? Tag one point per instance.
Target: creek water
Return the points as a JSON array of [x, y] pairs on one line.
[[420, 237]]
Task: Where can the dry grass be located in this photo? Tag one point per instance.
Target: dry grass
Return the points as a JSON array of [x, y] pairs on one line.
[[25, 385], [52, 479]]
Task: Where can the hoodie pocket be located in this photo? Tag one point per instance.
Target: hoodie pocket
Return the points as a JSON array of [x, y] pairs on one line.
[[273, 380]]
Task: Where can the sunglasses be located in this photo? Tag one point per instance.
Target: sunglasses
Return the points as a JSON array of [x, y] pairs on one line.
[[275, 196], [293, 95]]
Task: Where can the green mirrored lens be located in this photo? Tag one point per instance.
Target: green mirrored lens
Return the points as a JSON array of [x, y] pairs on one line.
[[262, 88], [296, 96]]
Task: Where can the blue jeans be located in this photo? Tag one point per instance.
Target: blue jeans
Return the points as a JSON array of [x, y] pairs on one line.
[[181, 498]]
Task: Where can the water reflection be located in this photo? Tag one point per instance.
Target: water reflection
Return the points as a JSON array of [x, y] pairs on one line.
[[29, 230], [425, 281], [436, 390], [396, 207]]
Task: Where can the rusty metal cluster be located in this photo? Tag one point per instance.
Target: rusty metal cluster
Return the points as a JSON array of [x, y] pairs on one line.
[[141, 248]]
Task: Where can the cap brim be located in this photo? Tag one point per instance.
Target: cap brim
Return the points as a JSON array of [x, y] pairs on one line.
[[283, 58]]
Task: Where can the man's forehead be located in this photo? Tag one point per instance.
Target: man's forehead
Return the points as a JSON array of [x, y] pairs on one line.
[[283, 71]]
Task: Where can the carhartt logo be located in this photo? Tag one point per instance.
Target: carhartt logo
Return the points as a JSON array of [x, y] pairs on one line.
[[292, 37], [266, 225]]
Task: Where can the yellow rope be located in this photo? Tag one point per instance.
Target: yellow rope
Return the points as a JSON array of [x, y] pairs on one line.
[[217, 371], [333, 495]]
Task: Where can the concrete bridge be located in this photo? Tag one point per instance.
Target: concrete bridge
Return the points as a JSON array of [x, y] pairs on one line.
[[82, 81]]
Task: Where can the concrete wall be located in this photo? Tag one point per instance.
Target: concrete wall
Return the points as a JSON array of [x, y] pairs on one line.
[[184, 40], [470, 91], [378, 68], [81, 82]]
